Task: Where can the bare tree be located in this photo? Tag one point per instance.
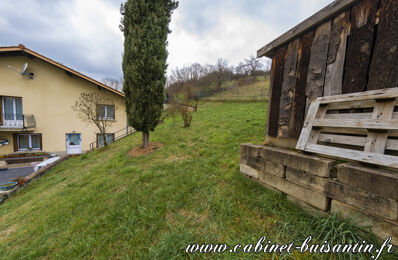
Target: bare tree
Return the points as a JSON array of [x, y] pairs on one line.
[[253, 64], [201, 77], [197, 71], [221, 71], [179, 77], [188, 74], [97, 108], [267, 65], [115, 83], [240, 70]]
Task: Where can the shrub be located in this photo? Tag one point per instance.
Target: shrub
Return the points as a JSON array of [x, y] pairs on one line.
[[20, 180], [186, 114], [182, 105]]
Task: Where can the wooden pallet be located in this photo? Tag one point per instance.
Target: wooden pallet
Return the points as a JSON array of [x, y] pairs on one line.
[[360, 127]]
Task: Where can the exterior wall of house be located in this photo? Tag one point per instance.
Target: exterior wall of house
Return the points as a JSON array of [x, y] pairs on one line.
[[354, 51], [49, 97], [6, 149]]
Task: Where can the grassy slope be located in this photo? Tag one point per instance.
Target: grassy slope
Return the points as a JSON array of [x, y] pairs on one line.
[[256, 91], [106, 205]]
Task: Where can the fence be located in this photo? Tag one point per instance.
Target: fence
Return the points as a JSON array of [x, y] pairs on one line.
[[18, 121]]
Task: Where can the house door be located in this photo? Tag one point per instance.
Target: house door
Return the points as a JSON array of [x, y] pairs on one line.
[[73, 144], [12, 112]]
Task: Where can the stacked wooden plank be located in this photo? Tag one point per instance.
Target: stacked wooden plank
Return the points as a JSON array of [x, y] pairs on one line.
[[360, 126], [285, 171], [321, 186]]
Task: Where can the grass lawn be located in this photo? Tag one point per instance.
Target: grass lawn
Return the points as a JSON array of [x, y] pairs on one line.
[[106, 205]]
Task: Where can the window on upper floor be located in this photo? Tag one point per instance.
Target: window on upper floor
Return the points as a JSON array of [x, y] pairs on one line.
[[11, 108], [106, 112]]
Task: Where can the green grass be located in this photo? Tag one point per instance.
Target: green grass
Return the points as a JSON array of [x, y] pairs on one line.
[[257, 91], [106, 205]]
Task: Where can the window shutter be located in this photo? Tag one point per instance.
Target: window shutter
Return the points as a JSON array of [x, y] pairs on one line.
[[111, 111], [98, 111], [15, 142], [41, 142], [1, 110]]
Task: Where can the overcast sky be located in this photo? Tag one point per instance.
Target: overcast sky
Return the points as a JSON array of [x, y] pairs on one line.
[[85, 35]]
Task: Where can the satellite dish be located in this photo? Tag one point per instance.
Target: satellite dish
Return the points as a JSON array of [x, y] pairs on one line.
[[24, 67], [23, 72]]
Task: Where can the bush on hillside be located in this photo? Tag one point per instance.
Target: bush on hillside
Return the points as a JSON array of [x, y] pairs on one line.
[[183, 104], [186, 114]]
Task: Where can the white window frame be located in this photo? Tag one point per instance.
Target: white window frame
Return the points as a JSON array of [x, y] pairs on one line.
[[106, 107], [14, 107], [30, 143], [106, 135]]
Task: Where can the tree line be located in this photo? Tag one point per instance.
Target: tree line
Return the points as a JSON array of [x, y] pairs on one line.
[[197, 79], [197, 74]]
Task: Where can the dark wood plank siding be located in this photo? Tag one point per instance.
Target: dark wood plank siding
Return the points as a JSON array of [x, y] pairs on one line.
[[287, 92], [359, 46], [336, 55], [334, 43], [317, 67], [298, 108], [352, 51], [384, 67], [277, 71]]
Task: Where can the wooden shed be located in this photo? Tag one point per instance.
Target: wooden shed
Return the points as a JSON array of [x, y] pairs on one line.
[[349, 46], [336, 70]]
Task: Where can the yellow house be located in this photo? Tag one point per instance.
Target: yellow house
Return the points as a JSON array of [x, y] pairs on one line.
[[36, 100]]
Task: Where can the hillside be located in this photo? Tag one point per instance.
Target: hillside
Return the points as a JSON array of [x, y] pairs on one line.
[[245, 89], [106, 205], [233, 91]]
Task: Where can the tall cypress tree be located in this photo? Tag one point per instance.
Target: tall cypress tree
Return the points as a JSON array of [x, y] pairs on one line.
[[145, 24]]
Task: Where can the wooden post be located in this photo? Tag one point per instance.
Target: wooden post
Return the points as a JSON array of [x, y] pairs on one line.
[[278, 63], [287, 92], [336, 56], [359, 46], [376, 141], [384, 66], [298, 107], [317, 67]]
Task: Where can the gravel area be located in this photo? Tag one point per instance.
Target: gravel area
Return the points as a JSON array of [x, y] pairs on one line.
[[11, 174]]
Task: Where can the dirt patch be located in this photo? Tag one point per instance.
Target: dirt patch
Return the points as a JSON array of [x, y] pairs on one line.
[[193, 217], [138, 151], [198, 218], [174, 158], [5, 233], [121, 188], [170, 218]]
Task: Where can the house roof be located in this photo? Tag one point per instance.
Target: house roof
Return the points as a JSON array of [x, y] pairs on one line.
[[318, 18], [23, 50]]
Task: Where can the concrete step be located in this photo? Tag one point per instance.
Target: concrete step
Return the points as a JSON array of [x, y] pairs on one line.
[[3, 165]]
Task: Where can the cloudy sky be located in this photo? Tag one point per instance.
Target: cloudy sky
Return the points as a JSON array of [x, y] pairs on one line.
[[85, 35]]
